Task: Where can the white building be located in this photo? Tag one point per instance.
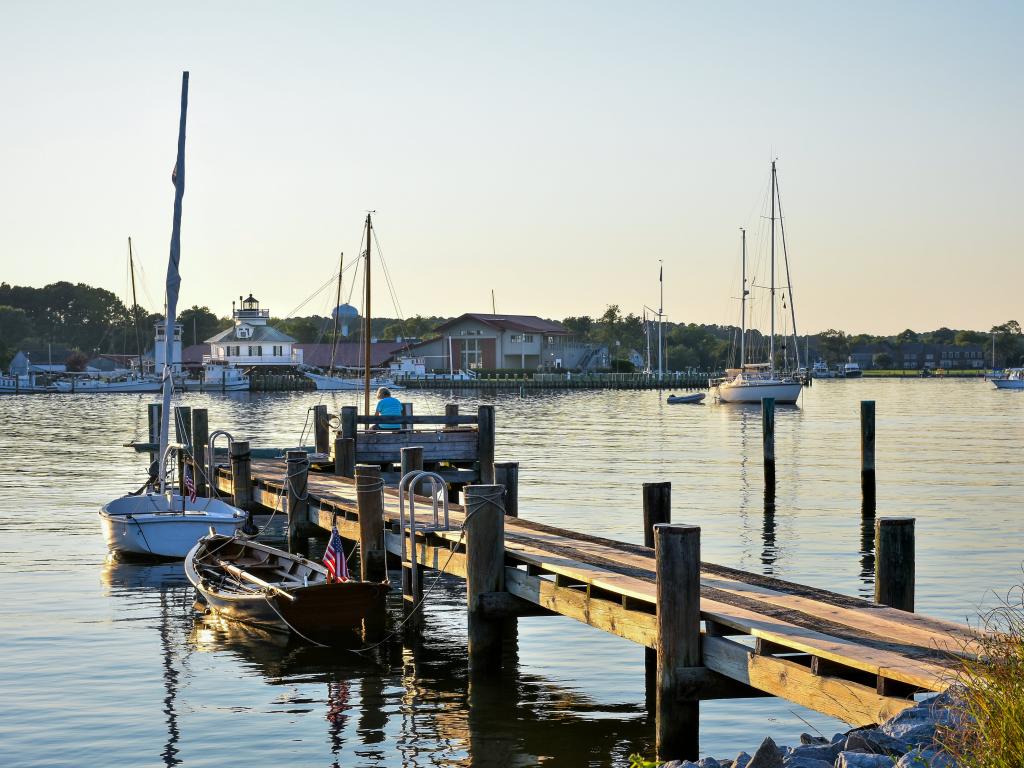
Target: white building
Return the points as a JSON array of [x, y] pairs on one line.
[[160, 347], [251, 342]]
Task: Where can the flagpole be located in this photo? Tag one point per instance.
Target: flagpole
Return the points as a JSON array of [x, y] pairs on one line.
[[661, 306]]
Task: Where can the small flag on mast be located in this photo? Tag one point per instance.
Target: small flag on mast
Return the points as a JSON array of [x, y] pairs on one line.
[[334, 558], [190, 484]]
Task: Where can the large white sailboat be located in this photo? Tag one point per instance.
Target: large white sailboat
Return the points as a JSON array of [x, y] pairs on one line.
[[752, 382], [165, 523]]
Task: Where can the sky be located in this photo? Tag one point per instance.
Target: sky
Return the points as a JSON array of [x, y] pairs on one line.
[[553, 152]]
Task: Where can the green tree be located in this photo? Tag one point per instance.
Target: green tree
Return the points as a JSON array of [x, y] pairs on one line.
[[963, 338], [1009, 343], [76, 361], [14, 325], [882, 360], [580, 326], [833, 345], [199, 324]]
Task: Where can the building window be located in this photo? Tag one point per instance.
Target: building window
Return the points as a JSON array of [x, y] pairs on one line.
[[278, 351], [519, 338], [471, 355]]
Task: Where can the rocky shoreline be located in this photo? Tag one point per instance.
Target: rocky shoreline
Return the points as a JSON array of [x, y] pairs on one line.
[[908, 740]]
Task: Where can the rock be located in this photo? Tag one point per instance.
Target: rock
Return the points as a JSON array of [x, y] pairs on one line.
[[824, 752], [708, 762], [863, 760], [806, 739], [806, 762], [768, 755], [741, 760], [917, 716], [926, 758], [920, 736], [876, 742], [679, 764]]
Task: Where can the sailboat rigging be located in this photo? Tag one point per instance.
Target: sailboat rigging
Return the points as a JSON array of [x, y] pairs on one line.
[[337, 306]]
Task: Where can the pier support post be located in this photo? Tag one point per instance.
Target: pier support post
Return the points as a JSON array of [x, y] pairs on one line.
[[894, 578], [321, 429], [657, 511], [485, 450], [344, 456], [298, 508], [407, 413], [154, 413], [451, 409], [506, 473], [677, 564], [348, 421], [200, 441], [867, 449], [768, 435], [412, 459], [241, 474], [183, 435], [370, 503], [485, 571]]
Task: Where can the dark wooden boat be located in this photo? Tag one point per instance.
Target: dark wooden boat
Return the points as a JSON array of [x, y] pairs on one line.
[[678, 399], [247, 581]]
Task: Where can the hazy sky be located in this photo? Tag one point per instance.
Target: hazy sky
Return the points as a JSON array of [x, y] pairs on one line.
[[551, 151]]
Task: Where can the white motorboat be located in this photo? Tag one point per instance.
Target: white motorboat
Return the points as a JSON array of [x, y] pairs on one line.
[[17, 384], [218, 376], [1013, 378], [164, 524], [852, 371], [820, 370], [128, 383]]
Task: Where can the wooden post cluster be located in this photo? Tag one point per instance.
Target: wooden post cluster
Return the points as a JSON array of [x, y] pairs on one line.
[[344, 456], [298, 507], [485, 571], [486, 435], [241, 474], [867, 449], [321, 429], [200, 443], [506, 473], [677, 564], [768, 435], [657, 511], [370, 503]]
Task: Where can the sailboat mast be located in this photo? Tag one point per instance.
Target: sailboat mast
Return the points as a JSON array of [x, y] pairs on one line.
[[173, 285], [789, 280], [743, 301], [135, 306], [661, 307], [771, 342], [337, 305], [366, 321]]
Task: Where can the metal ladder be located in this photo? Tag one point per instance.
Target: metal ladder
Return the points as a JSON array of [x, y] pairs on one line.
[[405, 485]]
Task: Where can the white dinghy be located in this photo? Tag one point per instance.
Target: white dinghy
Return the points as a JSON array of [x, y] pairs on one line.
[[167, 523]]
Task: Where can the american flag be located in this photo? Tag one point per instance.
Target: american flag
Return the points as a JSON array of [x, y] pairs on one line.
[[190, 484], [334, 558]]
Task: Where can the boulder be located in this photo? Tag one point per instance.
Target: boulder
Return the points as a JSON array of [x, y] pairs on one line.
[[824, 752], [914, 717], [806, 762], [768, 755], [926, 758], [741, 760], [806, 739], [708, 762], [863, 760], [876, 742]]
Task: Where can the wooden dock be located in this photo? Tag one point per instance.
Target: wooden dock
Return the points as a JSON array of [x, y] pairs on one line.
[[711, 631]]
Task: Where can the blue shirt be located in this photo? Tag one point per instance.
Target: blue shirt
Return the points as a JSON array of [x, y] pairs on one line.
[[389, 406]]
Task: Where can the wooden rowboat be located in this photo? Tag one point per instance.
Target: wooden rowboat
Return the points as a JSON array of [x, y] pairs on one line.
[[247, 581], [677, 399]]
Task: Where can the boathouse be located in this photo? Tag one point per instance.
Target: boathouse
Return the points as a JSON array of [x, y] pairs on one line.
[[251, 341]]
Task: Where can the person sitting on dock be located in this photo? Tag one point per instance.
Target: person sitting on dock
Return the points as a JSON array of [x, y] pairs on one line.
[[387, 406]]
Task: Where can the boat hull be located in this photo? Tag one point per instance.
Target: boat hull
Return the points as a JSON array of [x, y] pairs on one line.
[[153, 525], [784, 392], [1008, 383], [337, 383], [682, 399], [108, 386]]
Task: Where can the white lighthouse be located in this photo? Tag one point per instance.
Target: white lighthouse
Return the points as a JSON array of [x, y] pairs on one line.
[[160, 347], [251, 341]]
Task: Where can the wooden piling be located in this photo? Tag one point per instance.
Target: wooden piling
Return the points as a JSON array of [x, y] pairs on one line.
[[298, 507], [506, 473], [241, 474], [183, 435], [154, 412], [677, 564], [451, 409], [344, 456], [200, 442], [485, 571], [412, 459], [407, 411], [348, 421], [657, 504], [894, 562], [486, 434], [867, 448], [370, 502], [321, 429], [768, 436]]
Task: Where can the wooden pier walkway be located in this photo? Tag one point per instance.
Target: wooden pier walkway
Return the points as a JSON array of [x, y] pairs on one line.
[[829, 652]]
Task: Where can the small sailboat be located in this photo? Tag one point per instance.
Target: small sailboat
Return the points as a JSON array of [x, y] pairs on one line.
[[255, 583], [165, 523], [752, 382]]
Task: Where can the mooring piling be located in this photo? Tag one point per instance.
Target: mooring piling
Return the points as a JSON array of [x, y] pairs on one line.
[[344, 456], [486, 435], [200, 441], [298, 509], [321, 429], [241, 474], [153, 414], [894, 562], [506, 473], [867, 449], [370, 501], [412, 590], [768, 438], [485, 571], [657, 507], [348, 420], [677, 564]]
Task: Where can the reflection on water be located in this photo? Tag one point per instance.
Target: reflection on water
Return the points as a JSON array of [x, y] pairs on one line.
[[109, 663]]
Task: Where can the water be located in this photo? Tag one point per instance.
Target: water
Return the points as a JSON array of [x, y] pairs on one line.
[[106, 663]]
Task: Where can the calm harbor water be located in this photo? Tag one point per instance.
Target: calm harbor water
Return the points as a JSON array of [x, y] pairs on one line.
[[108, 664]]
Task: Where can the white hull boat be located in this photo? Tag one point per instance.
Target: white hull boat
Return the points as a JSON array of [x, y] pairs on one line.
[[744, 388], [19, 384], [102, 385], [164, 524], [217, 378], [1013, 378], [337, 383]]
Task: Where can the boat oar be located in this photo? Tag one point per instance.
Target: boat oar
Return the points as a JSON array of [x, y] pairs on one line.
[[238, 573]]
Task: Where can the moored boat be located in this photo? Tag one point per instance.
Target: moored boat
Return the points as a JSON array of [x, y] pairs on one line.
[[1013, 378], [251, 582], [820, 370], [696, 397], [164, 525], [851, 370], [753, 383]]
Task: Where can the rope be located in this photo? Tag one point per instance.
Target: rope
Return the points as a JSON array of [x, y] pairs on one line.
[[287, 624]]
